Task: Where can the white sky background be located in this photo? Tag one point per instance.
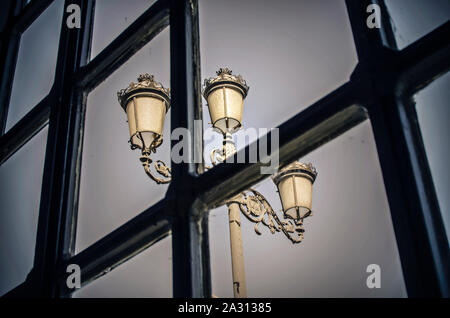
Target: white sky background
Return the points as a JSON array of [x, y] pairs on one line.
[[291, 53]]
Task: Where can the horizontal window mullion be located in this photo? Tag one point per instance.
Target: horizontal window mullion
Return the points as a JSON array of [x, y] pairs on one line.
[[139, 33], [126, 241], [25, 129], [424, 60]]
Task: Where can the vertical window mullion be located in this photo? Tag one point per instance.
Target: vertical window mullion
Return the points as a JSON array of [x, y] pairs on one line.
[[415, 212], [191, 277], [369, 40], [57, 215]]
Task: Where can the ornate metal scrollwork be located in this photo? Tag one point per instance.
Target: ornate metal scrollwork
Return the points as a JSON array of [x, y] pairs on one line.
[[160, 167], [220, 155], [228, 149], [257, 209], [254, 205]]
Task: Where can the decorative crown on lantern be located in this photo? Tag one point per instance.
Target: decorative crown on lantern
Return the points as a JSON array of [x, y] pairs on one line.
[[296, 167], [146, 82], [225, 76]]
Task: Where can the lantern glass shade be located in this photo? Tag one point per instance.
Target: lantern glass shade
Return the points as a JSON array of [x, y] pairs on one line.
[[146, 116], [295, 189], [225, 95], [296, 196], [225, 108]]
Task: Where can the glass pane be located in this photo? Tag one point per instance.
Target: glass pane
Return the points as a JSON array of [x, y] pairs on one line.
[[350, 229], [114, 187], [36, 63], [433, 114], [20, 193], [112, 17], [412, 19], [291, 53], [148, 274]]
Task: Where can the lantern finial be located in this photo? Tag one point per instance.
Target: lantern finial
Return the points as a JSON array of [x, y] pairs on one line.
[[224, 70], [146, 77]]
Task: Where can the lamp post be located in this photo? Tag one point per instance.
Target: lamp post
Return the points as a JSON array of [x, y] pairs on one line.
[[146, 104], [225, 94]]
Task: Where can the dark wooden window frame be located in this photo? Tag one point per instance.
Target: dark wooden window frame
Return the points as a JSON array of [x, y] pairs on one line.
[[380, 88]]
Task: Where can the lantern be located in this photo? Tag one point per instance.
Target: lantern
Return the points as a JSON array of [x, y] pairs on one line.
[[294, 184], [225, 95], [146, 104]]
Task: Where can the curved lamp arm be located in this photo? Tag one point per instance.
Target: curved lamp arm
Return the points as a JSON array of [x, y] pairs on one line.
[[220, 155], [258, 210], [254, 205], [160, 167]]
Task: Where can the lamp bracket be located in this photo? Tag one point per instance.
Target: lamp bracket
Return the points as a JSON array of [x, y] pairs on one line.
[[160, 167], [254, 205], [257, 209], [228, 150]]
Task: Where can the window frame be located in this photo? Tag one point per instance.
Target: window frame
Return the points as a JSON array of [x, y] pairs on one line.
[[381, 87]]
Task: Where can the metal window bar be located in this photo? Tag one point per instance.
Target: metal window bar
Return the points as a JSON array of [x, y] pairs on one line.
[[379, 88], [416, 217], [20, 18]]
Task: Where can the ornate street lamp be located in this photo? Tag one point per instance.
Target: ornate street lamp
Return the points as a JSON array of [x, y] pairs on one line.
[[146, 104], [295, 188], [225, 94]]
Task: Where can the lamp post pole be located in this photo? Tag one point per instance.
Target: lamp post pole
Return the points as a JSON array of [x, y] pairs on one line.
[[258, 210], [234, 219], [237, 253]]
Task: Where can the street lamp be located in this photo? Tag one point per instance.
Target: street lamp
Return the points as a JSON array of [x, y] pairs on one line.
[[225, 94], [295, 188], [146, 104]]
